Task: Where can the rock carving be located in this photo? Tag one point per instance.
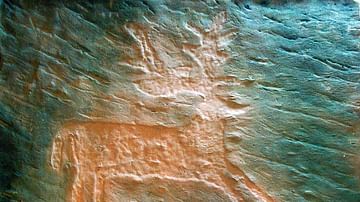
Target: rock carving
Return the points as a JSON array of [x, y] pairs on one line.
[[155, 158]]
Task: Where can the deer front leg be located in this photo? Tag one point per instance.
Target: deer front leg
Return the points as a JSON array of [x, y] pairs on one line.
[[231, 186], [250, 188]]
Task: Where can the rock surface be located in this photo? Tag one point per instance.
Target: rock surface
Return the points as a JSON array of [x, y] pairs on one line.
[[179, 100]]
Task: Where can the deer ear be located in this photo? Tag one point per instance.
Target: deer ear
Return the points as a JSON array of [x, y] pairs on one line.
[[219, 20], [131, 30]]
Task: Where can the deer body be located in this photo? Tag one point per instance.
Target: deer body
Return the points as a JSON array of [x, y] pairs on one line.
[[99, 150]]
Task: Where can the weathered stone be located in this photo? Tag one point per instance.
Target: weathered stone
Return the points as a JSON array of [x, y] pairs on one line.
[[179, 100]]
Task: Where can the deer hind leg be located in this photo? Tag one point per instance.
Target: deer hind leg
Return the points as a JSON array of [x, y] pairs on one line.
[[100, 178], [75, 191], [250, 187]]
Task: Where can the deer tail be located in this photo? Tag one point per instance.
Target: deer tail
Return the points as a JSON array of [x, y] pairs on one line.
[[57, 153]]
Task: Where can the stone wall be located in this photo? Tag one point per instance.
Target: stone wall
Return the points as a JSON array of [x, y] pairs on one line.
[[194, 100]]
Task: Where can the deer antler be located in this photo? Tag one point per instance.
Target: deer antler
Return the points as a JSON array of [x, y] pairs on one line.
[[210, 54], [150, 58]]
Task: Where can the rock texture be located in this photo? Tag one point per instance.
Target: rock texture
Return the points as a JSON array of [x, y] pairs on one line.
[[179, 101]]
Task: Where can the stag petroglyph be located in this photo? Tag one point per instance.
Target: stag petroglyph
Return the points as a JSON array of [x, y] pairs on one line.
[[96, 153]]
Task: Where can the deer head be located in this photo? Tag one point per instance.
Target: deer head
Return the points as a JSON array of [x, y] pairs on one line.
[[201, 81]]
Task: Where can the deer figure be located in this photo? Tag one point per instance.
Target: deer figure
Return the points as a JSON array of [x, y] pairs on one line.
[[94, 153]]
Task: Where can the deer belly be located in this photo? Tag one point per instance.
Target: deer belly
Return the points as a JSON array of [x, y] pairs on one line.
[[143, 156]]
